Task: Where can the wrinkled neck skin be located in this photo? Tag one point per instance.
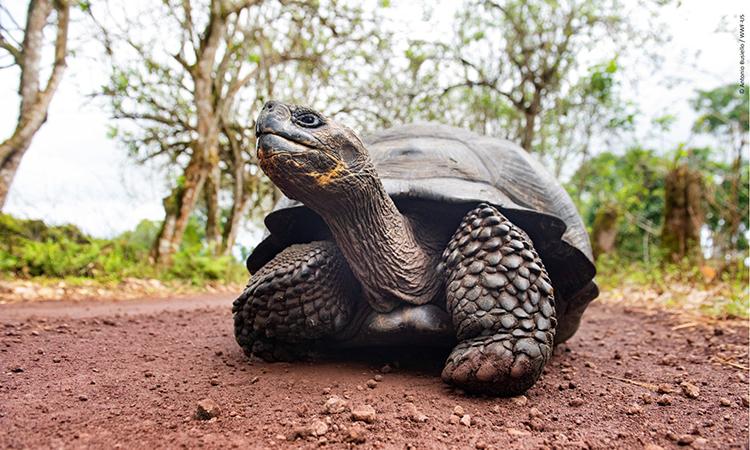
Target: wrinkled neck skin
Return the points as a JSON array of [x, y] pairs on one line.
[[379, 244]]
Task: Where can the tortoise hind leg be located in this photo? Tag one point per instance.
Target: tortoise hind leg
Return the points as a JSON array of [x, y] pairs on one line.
[[502, 306], [304, 293]]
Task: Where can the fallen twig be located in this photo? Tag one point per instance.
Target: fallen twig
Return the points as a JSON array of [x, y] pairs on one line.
[[685, 325], [637, 383], [729, 363]]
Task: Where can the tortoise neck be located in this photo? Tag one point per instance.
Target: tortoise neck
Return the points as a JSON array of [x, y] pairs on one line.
[[381, 247]]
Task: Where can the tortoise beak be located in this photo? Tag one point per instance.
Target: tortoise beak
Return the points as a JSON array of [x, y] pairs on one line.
[[272, 117]]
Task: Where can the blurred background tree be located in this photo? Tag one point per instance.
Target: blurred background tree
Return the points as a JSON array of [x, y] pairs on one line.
[[26, 48], [188, 78]]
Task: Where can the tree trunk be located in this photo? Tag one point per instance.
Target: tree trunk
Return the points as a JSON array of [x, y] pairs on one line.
[[213, 220], [528, 131], [241, 191], [205, 158], [683, 214], [34, 101], [604, 230], [9, 165], [162, 251], [232, 228], [178, 207]]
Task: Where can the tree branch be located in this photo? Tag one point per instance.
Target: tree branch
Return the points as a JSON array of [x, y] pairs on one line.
[[10, 48]]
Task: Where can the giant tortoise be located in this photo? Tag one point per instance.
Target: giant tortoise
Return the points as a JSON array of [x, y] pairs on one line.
[[421, 234]]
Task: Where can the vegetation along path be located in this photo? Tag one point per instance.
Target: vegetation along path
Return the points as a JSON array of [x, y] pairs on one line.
[[167, 373]]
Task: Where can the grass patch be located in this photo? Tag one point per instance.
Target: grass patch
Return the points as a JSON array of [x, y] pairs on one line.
[[684, 286]]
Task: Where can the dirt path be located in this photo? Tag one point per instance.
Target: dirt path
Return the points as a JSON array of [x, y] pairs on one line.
[[131, 375]]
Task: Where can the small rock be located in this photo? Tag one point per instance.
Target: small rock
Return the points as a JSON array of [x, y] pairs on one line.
[[364, 413], [83, 398], [690, 390], [590, 365], [668, 360], [700, 442], [725, 401], [453, 419], [536, 424], [465, 420], [618, 355], [16, 368], [647, 398], [653, 447], [335, 405], [533, 412], [521, 400], [385, 369], [664, 400], [299, 432], [576, 402], [207, 409], [515, 432], [663, 389], [378, 377], [685, 439], [671, 436], [458, 411], [318, 428], [480, 445], [413, 414], [356, 435], [633, 410], [745, 401], [739, 377], [372, 384]]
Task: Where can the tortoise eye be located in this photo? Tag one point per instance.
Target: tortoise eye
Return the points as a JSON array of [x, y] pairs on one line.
[[309, 121]]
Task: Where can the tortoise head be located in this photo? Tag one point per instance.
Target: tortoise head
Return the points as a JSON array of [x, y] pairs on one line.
[[308, 156]]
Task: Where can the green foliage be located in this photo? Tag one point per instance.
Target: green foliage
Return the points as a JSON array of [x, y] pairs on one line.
[[632, 183], [723, 109], [30, 248], [724, 114]]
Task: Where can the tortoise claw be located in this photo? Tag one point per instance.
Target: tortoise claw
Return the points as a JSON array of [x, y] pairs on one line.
[[486, 365]]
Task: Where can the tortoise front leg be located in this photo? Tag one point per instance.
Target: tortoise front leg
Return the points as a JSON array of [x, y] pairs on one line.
[[304, 293], [501, 301]]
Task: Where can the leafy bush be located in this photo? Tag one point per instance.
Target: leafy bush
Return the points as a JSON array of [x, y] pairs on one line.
[[29, 248]]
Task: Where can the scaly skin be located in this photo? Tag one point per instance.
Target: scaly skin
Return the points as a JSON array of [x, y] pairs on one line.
[[304, 293], [502, 306]]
